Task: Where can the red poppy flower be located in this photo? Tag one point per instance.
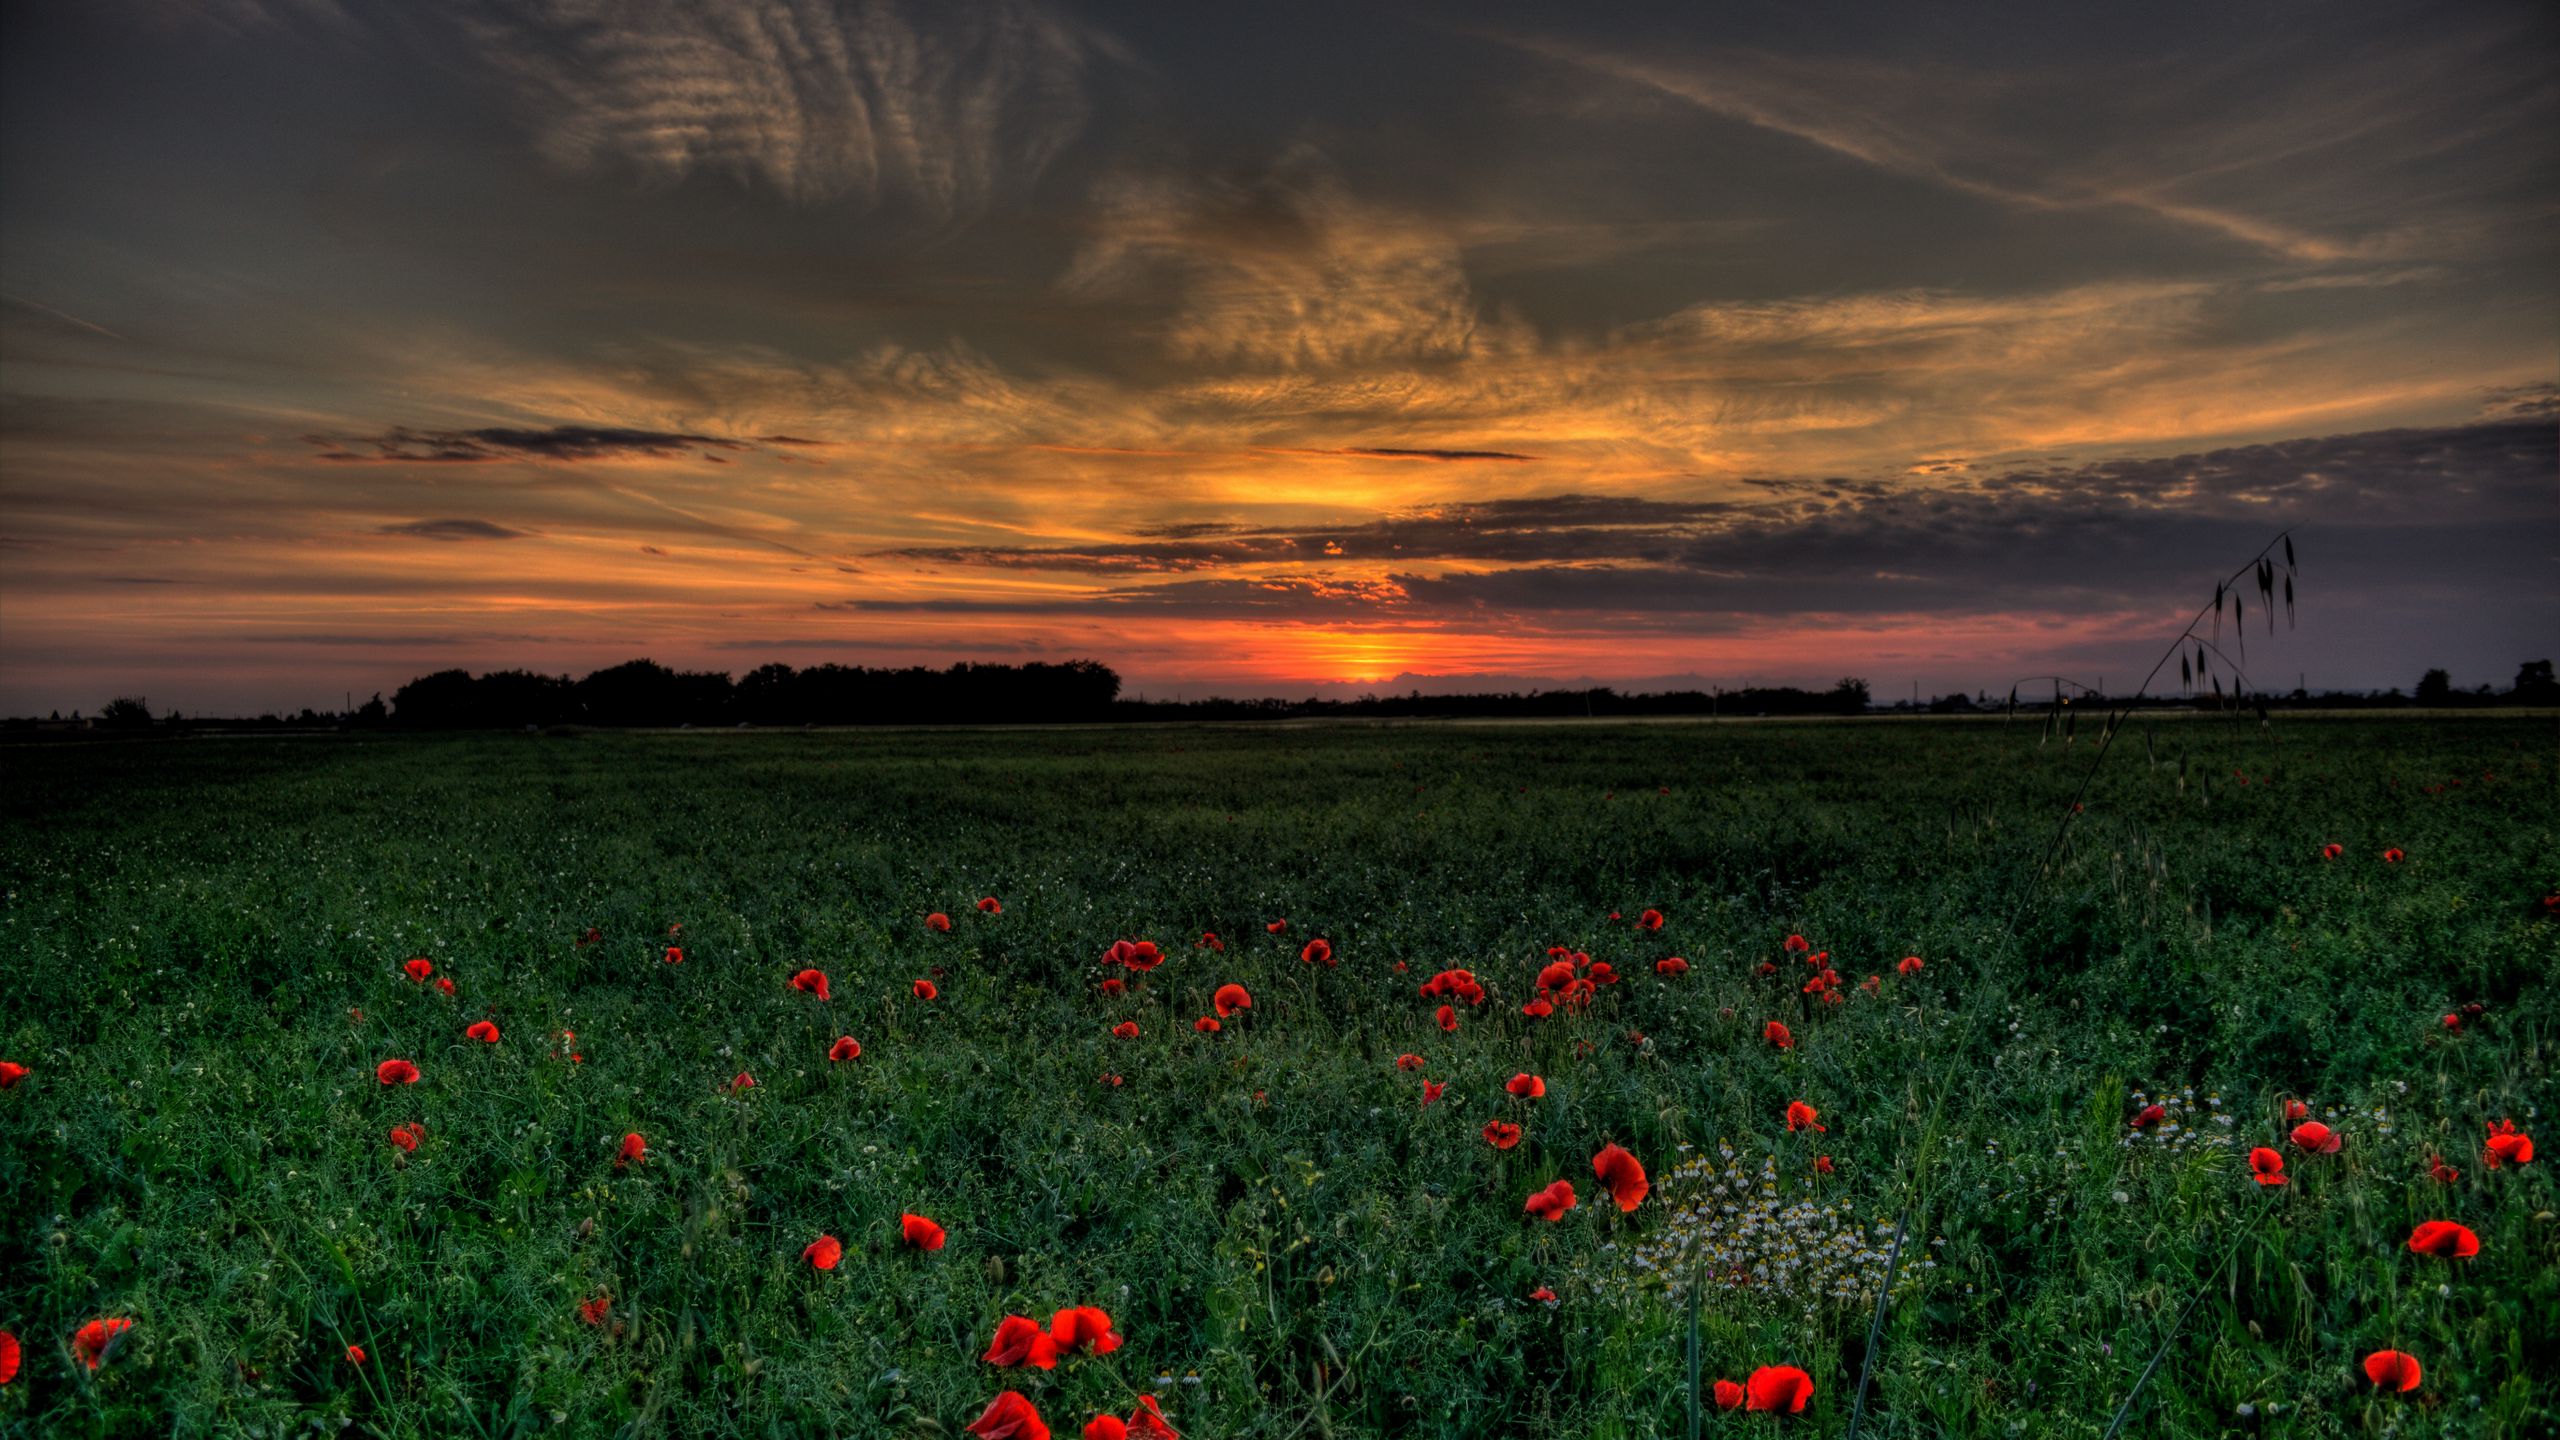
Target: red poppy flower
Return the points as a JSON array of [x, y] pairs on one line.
[[2393, 1370], [2442, 1173], [1106, 1427], [1501, 1134], [11, 1072], [355, 1354], [990, 905], [1431, 1090], [920, 1232], [1672, 965], [1020, 1341], [1082, 1326], [1456, 984], [1873, 984], [1821, 1164], [1768, 967], [1231, 998], [2148, 1116], [1800, 1115], [2332, 850], [1207, 1025], [1779, 1387], [1556, 976], [1448, 1018], [485, 1031], [1147, 1422], [593, 936], [1525, 1087], [396, 1072], [1729, 1395], [1276, 926], [1551, 1203], [1408, 1062], [2317, 1138], [1543, 1296], [2296, 1110], [1910, 965], [1009, 1417], [1139, 955], [1319, 951], [1114, 986], [813, 982], [1797, 944], [2393, 856], [742, 1081], [925, 990], [1777, 1034], [1208, 941], [1538, 1009], [845, 1048], [675, 955], [91, 1340], [419, 969], [404, 1137], [1113, 1081], [2267, 1165], [937, 921], [445, 983], [824, 1252], [634, 1151], [1623, 1174], [1126, 1030], [2453, 1022], [2508, 1145], [1602, 973], [593, 1311], [1649, 920]]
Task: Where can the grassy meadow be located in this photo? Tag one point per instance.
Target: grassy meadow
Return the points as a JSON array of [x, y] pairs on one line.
[[201, 967]]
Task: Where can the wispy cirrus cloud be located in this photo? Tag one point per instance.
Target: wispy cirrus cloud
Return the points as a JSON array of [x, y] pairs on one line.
[[865, 101], [2232, 148]]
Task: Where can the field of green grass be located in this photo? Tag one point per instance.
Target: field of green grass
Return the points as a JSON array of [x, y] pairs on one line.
[[201, 967]]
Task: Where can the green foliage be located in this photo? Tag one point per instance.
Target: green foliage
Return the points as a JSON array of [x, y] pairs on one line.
[[1270, 1212]]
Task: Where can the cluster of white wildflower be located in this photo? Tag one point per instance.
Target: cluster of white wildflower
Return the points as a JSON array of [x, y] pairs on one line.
[[2185, 1123], [1735, 1229]]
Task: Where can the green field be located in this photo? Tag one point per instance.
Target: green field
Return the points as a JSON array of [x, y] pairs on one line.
[[201, 966]]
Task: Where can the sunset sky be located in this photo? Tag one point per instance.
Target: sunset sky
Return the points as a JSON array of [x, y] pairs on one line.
[[1267, 349]]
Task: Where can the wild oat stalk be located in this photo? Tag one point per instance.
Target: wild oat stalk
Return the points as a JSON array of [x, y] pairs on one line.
[[2262, 570]]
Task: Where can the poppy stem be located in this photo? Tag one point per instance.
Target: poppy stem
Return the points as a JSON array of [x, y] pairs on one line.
[[1694, 1416], [1875, 1326], [2125, 1411]]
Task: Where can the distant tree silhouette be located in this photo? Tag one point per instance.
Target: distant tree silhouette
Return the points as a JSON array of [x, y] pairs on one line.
[[2535, 685], [642, 692], [2434, 688], [123, 713]]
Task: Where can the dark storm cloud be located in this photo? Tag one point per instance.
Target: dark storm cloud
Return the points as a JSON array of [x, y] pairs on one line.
[[557, 442], [1551, 527], [2448, 506], [2107, 522], [453, 530]]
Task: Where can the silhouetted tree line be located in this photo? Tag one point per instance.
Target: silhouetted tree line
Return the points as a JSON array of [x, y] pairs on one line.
[[642, 692], [1849, 697]]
